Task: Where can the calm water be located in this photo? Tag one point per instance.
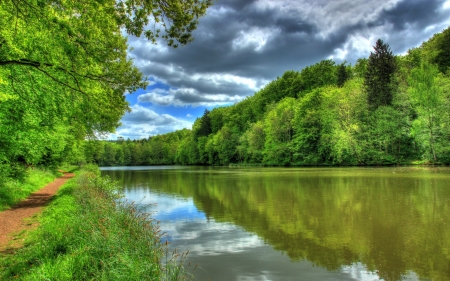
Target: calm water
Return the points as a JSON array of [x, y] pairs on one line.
[[301, 223]]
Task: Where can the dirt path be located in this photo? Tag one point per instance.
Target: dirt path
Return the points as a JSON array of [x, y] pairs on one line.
[[12, 221]]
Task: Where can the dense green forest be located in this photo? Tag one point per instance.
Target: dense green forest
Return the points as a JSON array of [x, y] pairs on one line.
[[383, 110], [64, 70]]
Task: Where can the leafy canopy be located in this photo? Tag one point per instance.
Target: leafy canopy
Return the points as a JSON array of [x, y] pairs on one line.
[[64, 67]]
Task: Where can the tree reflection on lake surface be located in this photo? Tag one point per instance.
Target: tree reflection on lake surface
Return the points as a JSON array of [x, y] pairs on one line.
[[301, 223]]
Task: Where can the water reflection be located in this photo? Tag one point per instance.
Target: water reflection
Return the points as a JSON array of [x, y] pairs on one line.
[[324, 224]]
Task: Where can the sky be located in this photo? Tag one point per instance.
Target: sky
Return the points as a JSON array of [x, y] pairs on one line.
[[241, 45]]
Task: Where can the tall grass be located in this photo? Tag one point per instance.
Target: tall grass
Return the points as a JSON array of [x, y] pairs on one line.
[[14, 190], [88, 233]]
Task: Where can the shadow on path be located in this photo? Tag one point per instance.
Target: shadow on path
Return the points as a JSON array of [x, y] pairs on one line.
[[12, 220]]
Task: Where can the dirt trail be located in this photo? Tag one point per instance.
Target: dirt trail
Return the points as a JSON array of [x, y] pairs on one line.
[[12, 220]]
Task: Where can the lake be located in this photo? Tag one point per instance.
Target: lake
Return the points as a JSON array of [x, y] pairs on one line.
[[300, 223]]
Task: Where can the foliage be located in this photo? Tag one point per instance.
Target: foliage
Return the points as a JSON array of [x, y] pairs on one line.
[[343, 111], [319, 75], [442, 53], [308, 127], [87, 233], [204, 125], [379, 76], [428, 91], [278, 132], [384, 110], [64, 70], [342, 75]]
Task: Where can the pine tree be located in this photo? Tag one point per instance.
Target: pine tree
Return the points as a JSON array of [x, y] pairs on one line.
[[378, 80], [205, 128], [342, 75]]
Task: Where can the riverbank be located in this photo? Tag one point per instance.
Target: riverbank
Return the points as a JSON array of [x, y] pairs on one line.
[[86, 232]]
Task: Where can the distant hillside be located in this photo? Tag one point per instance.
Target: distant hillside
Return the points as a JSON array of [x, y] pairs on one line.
[[383, 110]]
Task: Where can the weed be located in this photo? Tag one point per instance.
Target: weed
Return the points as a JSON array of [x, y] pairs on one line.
[[89, 233]]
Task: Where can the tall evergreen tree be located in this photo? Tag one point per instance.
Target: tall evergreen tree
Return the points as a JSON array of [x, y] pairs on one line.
[[342, 75], [379, 76], [205, 124]]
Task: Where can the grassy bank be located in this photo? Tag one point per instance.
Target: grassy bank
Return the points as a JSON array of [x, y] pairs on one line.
[[14, 190], [86, 233]]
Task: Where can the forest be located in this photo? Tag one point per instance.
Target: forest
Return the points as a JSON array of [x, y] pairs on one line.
[[385, 110]]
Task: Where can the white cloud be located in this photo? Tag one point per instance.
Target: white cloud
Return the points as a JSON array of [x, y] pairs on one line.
[[358, 271], [446, 5], [227, 237], [220, 79], [142, 115], [360, 44], [142, 122], [254, 38], [151, 49], [157, 96], [212, 85], [186, 96]]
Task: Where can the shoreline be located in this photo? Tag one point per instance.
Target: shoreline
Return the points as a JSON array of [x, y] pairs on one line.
[[85, 232]]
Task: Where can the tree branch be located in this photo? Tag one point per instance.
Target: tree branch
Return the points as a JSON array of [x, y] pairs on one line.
[[25, 62]]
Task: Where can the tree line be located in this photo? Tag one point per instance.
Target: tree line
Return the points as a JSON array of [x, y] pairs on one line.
[[383, 110]]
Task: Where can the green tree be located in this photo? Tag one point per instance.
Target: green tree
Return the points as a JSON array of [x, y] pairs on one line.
[[201, 146], [256, 140], [442, 58], [360, 68], [385, 130], [342, 75], [137, 156], [64, 68], [226, 143], [205, 125], [341, 119], [279, 131], [432, 103], [307, 125], [379, 76], [109, 155], [319, 75]]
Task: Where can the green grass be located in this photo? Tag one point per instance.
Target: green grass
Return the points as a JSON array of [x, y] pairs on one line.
[[14, 190], [88, 233], [69, 167]]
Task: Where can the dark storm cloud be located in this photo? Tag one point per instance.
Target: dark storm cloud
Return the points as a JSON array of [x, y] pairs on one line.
[[183, 97], [411, 18], [241, 45], [413, 13], [213, 51], [237, 5]]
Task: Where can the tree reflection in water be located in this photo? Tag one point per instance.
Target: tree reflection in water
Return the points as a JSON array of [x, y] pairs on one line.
[[392, 220]]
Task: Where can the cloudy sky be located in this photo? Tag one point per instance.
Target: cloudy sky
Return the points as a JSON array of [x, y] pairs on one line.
[[241, 45]]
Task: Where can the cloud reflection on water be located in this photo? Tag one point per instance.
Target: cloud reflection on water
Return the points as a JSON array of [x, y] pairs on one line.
[[238, 254]]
